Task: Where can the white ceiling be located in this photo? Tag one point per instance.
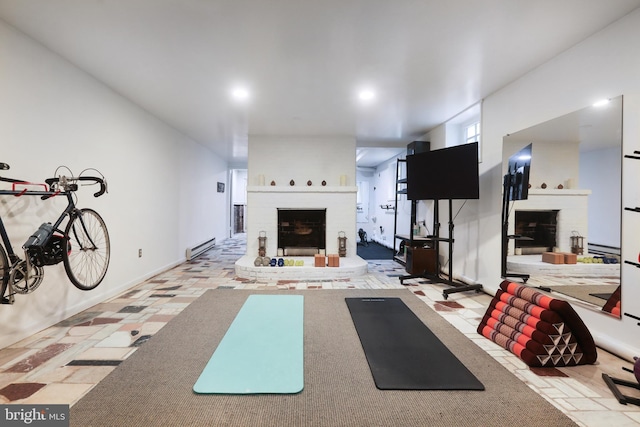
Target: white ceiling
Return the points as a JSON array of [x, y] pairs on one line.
[[593, 128], [370, 157], [305, 60]]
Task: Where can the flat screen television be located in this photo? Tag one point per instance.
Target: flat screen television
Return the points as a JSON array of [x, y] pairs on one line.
[[518, 174], [447, 173]]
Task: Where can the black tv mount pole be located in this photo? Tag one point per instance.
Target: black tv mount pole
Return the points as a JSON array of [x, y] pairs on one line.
[[457, 286], [437, 278], [507, 187]]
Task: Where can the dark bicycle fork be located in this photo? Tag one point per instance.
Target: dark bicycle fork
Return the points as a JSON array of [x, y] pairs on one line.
[[78, 213]]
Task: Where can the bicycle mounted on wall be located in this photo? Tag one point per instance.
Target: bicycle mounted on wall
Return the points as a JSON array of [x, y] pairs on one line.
[[83, 247]]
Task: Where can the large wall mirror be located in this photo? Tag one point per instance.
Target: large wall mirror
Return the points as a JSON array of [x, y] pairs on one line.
[[573, 206]]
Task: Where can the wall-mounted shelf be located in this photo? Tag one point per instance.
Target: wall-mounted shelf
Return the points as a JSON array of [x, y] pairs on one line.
[[636, 155], [633, 317]]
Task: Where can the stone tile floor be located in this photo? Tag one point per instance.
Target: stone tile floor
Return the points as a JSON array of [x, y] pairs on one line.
[[62, 363]]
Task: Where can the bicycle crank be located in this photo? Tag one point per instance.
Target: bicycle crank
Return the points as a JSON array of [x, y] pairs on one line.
[[25, 277]]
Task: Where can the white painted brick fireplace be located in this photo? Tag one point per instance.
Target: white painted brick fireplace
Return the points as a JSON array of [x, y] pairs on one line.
[[263, 203], [298, 166], [572, 216]]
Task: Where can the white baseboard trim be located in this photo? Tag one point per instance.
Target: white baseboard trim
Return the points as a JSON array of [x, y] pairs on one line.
[[114, 291]]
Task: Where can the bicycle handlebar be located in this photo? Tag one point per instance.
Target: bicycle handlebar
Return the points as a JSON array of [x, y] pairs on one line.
[[56, 185], [68, 185], [103, 186]]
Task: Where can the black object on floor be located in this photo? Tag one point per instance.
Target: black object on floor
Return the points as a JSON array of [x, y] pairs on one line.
[[604, 296], [374, 250], [403, 354], [613, 384]]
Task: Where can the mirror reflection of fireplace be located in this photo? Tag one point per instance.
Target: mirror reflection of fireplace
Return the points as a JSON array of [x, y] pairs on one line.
[[579, 157], [536, 231], [301, 232]]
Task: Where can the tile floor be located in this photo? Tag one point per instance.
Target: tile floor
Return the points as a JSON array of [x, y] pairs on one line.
[[63, 362]]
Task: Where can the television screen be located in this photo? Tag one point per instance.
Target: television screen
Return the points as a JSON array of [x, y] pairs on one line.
[[518, 174], [447, 173]]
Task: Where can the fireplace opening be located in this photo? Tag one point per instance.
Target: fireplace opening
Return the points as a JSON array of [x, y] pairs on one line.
[[537, 231], [302, 231]]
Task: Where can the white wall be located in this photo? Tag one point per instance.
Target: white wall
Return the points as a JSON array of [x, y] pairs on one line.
[[600, 172], [161, 198], [603, 66], [203, 212], [552, 162], [305, 158]]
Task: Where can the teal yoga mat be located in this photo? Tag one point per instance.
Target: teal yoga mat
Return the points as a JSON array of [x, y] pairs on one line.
[[261, 352]]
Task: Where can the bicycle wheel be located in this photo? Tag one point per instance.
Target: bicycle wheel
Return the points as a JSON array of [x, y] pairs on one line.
[[88, 249], [4, 274]]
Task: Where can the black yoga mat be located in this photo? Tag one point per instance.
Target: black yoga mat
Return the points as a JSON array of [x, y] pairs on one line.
[[403, 354]]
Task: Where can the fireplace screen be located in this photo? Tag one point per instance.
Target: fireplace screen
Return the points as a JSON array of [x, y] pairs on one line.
[[537, 231], [301, 231]]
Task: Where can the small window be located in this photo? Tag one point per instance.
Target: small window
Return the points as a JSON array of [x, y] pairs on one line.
[[472, 133]]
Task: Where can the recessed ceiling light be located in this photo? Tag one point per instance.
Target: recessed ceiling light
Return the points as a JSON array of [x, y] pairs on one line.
[[366, 95], [240, 93], [601, 103]]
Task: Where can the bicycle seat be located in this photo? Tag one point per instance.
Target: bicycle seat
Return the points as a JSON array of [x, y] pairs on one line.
[[4, 166]]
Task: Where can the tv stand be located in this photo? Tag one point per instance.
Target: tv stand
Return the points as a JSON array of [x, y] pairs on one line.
[[435, 239]]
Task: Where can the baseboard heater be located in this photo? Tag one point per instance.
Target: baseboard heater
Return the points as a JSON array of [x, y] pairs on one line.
[[200, 249], [597, 249]]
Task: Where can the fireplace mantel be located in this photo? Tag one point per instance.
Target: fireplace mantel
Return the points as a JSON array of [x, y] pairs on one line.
[[300, 189], [558, 192]]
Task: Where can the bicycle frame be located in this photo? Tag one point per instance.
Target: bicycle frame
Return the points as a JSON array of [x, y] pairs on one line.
[[68, 211]]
